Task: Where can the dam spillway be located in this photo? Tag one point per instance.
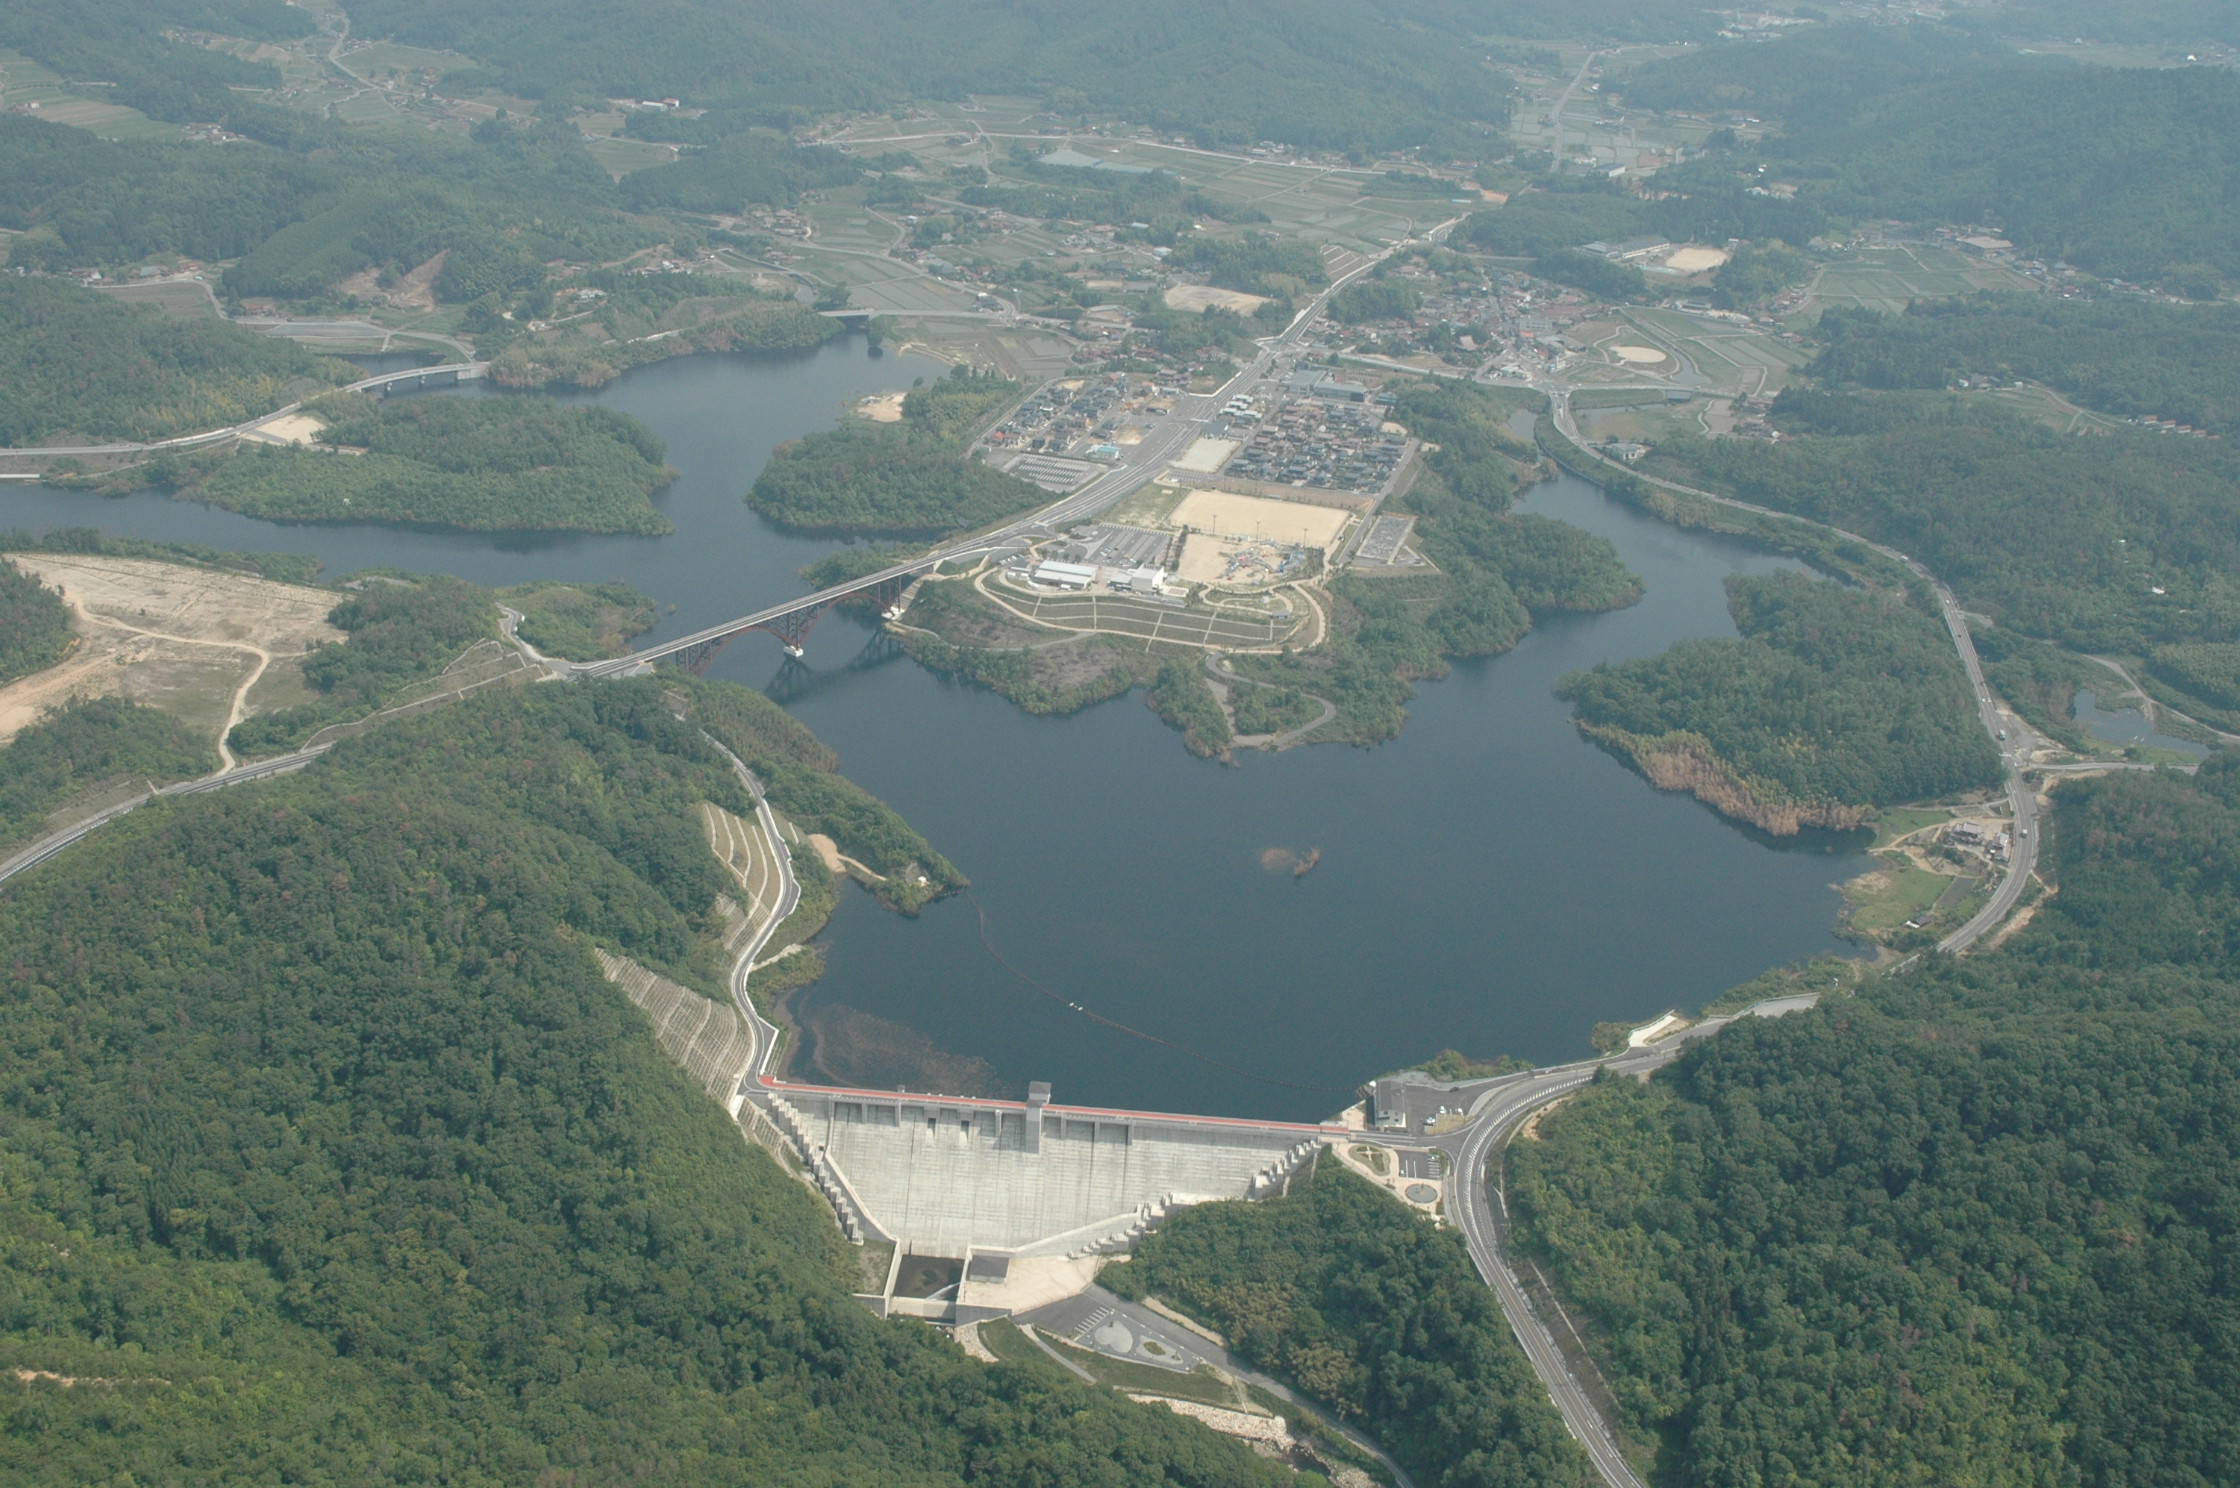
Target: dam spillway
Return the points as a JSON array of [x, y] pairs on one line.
[[1017, 1198], [1029, 1178]]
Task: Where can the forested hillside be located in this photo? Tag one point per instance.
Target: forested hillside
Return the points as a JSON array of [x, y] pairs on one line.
[[1375, 1313], [85, 743], [802, 778], [330, 1155], [400, 632], [2114, 543], [34, 624], [510, 464], [911, 478], [1312, 72], [75, 365], [131, 48], [313, 202], [2169, 22], [1835, 701], [2104, 167], [2127, 357], [1977, 1224]]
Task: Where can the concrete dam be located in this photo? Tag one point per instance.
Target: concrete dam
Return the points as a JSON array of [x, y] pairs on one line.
[[991, 1206]]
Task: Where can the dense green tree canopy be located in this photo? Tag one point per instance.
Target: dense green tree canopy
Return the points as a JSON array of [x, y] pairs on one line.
[[330, 1154], [1832, 696], [34, 624], [504, 464], [1309, 71], [1376, 1314], [401, 632], [1977, 1224], [911, 478], [2128, 357], [2121, 171], [2109, 543], [122, 47], [75, 364], [87, 743]]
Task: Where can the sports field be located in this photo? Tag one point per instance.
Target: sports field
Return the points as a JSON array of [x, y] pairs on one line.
[[1231, 515]]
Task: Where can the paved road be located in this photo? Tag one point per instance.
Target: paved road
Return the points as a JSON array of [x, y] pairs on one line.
[[1482, 1218], [466, 371], [1481, 1212], [46, 847], [1563, 105], [789, 899], [1064, 1319], [2152, 708], [1139, 463], [2013, 737]]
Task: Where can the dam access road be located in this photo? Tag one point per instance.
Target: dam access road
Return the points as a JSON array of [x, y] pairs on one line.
[[1500, 1107], [1479, 1208]]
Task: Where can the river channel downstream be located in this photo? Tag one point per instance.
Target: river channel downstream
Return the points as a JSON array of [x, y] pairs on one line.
[[1490, 881]]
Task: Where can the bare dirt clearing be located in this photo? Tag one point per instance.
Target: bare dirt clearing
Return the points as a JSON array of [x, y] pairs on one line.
[[207, 647], [1196, 297], [1694, 259], [1231, 515]]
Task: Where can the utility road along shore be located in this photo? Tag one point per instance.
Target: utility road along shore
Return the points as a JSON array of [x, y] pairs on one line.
[[2014, 737], [462, 371]]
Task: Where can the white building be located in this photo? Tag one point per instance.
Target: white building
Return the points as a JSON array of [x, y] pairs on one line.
[[1064, 575]]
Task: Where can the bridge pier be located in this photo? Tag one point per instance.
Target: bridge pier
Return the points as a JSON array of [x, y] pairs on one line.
[[792, 628]]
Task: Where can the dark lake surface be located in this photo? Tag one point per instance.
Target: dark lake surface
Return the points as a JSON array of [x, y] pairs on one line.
[[1490, 881], [721, 415], [2127, 726]]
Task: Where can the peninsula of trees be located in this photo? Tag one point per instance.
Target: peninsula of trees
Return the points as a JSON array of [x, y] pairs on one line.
[[910, 478], [1834, 702], [479, 464]]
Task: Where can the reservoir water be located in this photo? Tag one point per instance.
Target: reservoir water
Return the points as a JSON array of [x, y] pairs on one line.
[[1489, 882], [2127, 726]]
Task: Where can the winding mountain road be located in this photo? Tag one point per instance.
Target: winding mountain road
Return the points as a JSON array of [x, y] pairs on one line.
[[2014, 738]]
